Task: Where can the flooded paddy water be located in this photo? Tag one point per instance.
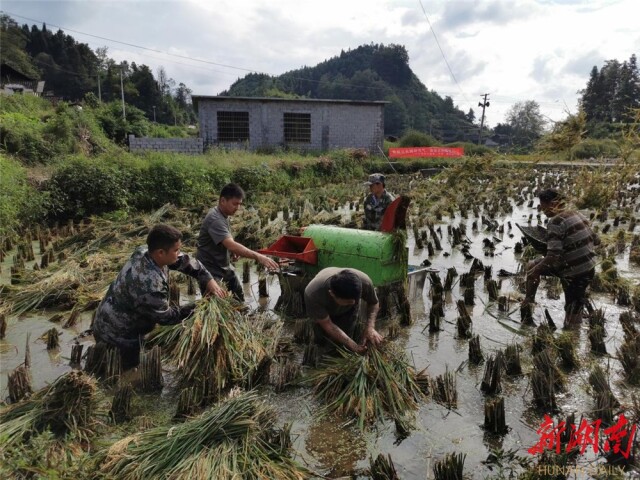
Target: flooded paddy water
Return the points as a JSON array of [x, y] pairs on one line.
[[332, 447]]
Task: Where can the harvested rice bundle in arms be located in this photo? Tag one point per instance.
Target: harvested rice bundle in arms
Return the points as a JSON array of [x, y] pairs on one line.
[[64, 407], [235, 439], [368, 386], [218, 347]]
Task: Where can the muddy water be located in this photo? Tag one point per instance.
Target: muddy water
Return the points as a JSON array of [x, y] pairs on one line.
[[340, 451], [337, 450]]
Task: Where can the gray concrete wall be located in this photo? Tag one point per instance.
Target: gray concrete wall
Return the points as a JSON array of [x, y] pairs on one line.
[[333, 125], [191, 146]]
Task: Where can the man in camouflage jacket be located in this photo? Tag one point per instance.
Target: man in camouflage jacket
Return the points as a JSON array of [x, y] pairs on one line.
[[139, 296], [376, 202]]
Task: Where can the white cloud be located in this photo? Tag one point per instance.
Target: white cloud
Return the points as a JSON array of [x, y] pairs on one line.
[[517, 50]]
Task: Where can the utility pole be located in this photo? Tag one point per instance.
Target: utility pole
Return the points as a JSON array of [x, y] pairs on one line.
[[154, 114], [124, 116], [484, 104], [99, 91]]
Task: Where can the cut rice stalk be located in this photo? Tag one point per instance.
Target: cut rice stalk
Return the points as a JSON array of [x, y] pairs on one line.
[[367, 387]]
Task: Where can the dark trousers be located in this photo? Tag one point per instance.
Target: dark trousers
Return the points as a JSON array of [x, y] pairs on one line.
[[129, 355], [575, 292], [230, 280], [233, 284]]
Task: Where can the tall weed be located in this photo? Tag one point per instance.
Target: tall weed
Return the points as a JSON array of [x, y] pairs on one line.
[[23, 136], [20, 203]]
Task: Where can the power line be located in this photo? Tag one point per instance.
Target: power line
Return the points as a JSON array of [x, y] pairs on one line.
[[185, 57], [441, 51], [134, 45], [208, 62]]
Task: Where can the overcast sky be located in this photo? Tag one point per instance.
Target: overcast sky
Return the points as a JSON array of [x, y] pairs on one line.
[[515, 51]]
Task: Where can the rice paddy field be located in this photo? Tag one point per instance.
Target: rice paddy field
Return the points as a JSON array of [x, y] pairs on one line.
[[460, 390]]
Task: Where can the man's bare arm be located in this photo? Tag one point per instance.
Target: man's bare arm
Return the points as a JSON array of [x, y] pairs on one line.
[[337, 335], [242, 251], [370, 333]]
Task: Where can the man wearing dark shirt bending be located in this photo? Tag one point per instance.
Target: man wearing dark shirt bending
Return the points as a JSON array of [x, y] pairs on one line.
[[332, 300], [570, 255]]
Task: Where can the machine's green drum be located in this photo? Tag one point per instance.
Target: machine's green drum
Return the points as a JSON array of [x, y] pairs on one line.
[[373, 253]]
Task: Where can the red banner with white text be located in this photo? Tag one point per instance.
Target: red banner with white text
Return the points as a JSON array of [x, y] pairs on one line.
[[414, 152]]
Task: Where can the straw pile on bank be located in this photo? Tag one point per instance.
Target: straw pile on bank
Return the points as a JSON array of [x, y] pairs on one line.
[[218, 347], [367, 387], [235, 439]]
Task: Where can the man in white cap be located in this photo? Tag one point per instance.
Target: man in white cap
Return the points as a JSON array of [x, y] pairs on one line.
[[376, 202]]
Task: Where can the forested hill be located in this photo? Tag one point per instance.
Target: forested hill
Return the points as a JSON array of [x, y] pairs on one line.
[[72, 70], [369, 72]]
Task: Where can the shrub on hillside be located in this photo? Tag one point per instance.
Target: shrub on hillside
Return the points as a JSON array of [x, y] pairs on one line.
[[20, 203], [118, 129], [177, 179], [75, 130], [37, 133], [23, 136], [29, 105], [414, 138], [158, 130], [592, 148], [82, 187], [260, 178], [471, 149]]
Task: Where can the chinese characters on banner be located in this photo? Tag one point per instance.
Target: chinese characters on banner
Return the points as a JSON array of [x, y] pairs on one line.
[[414, 152], [618, 438]]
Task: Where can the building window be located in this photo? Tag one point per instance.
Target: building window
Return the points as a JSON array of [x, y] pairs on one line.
[[297, 128], [233, 126]]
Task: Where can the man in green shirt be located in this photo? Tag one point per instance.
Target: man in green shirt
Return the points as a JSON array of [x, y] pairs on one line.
[[376, 202]]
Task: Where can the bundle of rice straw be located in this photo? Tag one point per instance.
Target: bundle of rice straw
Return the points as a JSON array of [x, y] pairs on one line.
[[235, 439], [367, 386], [218, 347], [57, 289], [92, 255], [66, 406]]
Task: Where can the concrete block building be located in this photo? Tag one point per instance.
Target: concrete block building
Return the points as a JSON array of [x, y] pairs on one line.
[[301, 124]]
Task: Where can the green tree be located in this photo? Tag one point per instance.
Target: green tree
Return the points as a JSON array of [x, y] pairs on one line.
[[392, 64], [182, 97], [69, 68], [627, 94], [526, 122], [471, 116], [13, 41], [611, 94], [117, 128], [148, 93], [592, 96]]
